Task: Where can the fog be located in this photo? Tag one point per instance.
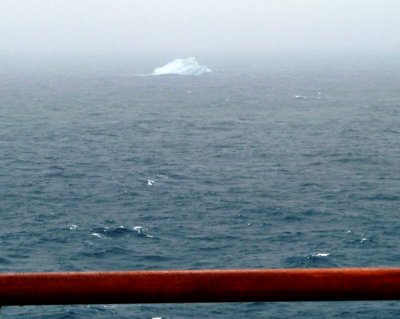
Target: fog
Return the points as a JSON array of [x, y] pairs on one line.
[[191, 26]]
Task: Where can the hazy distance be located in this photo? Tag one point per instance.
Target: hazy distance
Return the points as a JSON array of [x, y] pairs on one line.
[[188, 26]]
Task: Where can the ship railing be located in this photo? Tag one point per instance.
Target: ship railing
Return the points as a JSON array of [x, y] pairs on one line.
[[199, 286]]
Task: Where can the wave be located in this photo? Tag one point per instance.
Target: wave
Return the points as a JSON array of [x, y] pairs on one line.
[[120, 231]]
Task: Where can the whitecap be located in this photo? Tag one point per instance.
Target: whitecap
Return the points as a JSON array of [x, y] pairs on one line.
[[321, 255], [317, 255], [142, 231], [150, 182]]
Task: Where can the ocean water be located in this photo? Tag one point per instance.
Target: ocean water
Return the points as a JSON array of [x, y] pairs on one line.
[[262, 163]]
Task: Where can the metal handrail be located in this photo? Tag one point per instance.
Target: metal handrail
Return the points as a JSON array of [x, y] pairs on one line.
[[178, 286]]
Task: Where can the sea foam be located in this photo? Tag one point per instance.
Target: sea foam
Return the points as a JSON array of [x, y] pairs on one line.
[[187, 66]]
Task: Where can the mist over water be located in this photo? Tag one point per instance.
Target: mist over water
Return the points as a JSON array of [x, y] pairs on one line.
[[268, 161]]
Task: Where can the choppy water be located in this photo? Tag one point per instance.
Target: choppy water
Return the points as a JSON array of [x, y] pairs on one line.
[[294, 166]]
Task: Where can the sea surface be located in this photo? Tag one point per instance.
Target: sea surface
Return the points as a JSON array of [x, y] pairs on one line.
[[263, 163]]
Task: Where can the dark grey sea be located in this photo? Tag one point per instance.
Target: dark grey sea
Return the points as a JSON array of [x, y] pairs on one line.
[[265, 162]]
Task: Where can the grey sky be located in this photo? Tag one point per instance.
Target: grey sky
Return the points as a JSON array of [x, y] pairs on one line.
[[193, 25]]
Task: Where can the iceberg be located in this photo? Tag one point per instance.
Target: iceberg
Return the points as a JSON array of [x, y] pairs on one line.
[[187, 66]]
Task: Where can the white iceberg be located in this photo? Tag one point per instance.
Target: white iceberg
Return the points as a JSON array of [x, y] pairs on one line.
[[187, 66]]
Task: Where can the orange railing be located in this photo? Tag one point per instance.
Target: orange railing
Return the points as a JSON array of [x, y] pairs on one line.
[[199, 286]]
